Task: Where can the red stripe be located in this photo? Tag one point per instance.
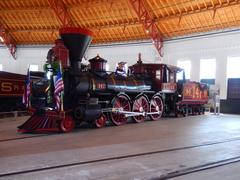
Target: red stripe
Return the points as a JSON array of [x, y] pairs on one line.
[[59, 84], [74, 30], [58, 89]]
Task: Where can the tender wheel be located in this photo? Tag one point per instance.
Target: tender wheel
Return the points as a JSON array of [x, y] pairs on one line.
[[101, 121], [140, 104], [120, 102], [156, 105], [67, 124], [178, 111]]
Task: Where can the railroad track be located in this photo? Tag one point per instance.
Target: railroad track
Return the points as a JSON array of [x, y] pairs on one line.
[[199, 168], [25, 137], [39, 135], [165, 176]]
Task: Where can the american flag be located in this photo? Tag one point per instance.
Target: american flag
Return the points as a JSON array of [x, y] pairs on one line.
[[27, 90], [59, 87]]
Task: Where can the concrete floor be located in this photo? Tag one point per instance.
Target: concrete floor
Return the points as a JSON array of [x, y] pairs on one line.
[[175, 145]]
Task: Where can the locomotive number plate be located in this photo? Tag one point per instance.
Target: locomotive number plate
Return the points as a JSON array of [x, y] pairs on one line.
[[169, 87], [101, 86]]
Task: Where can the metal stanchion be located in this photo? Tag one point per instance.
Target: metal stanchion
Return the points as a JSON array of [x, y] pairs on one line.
[[216, 104], [15, 115]]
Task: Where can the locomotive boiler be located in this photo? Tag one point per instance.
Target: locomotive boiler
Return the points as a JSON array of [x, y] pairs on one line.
[[94, 95]]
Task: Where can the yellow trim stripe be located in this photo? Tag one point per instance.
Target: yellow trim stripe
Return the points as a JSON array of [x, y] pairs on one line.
[[11, 80]]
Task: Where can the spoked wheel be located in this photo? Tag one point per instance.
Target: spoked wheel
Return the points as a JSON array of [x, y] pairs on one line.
[[101, 121], [122, 103], [140, 104], [67, 124], [156, 105]]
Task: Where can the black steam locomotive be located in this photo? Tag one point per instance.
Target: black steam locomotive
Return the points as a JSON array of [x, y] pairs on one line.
[[95, 95]]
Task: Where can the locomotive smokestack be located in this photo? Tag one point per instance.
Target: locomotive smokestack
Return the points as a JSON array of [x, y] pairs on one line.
[[77, 41]]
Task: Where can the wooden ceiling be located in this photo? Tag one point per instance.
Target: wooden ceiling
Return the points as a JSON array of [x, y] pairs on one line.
[[34, 21]]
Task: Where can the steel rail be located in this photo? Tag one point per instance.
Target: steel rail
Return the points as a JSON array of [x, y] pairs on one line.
[[175, 173], [203, 167], [25, 137]]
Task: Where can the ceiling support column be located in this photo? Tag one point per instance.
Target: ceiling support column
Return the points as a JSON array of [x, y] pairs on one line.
[[149, 24], [61, 11], [8, 41]]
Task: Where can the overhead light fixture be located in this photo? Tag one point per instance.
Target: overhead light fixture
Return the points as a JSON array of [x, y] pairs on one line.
[[1, 39], [147, 31]]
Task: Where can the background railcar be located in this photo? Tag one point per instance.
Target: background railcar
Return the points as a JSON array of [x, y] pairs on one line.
[[11, 90]]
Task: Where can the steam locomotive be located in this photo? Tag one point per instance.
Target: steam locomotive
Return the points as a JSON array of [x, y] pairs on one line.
[[94, 95]]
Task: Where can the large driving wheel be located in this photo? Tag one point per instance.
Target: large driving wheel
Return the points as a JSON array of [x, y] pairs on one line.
[[140, 104], [156, 105], [67, 124], [122, 103]]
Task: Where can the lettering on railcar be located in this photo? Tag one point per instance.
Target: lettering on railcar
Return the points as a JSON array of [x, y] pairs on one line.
[[11, 88]]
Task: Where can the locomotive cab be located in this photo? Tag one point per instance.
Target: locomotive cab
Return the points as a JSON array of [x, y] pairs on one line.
[[163, 76], [163, 80]]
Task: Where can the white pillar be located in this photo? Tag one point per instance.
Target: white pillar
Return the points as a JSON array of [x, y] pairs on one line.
[[221, 74]]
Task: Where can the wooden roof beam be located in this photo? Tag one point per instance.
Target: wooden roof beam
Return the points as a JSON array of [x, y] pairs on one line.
[[196, 11], [130, 22], [49, 8], [178, 13], [203, 28], [8, 41], [204, 2], [61, 12], [93, 28], [25, 10]]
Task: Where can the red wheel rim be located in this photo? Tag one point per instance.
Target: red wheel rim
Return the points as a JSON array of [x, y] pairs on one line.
[[67, 124], [122, 102], [140, 105], [156, 105], [101, 121]]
